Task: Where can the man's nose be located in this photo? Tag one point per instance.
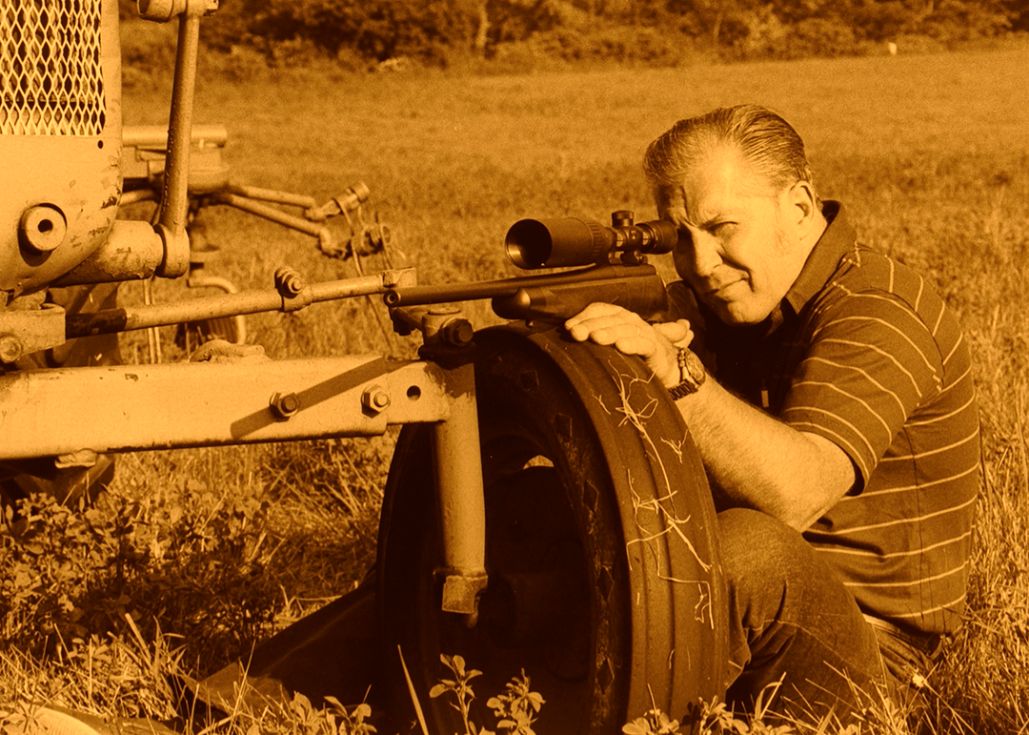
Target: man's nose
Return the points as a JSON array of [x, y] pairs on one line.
[[705, 254]]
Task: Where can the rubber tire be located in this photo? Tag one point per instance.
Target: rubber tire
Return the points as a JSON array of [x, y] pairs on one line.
[[594, 590]]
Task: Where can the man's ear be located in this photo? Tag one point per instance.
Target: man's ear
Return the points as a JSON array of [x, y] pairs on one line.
[[800, 207]]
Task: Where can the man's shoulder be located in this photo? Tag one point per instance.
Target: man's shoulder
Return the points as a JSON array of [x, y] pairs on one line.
[[867, 276]]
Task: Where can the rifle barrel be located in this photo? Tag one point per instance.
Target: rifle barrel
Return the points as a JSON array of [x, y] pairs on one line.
[[445, 293]]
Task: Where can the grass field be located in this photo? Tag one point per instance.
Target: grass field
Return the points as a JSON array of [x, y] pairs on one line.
[[931, 155]]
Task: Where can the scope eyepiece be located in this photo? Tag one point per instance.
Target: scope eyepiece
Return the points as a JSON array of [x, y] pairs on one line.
[[570, 241]]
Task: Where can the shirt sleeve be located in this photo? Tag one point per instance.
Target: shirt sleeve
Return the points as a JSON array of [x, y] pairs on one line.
[[871, 361]]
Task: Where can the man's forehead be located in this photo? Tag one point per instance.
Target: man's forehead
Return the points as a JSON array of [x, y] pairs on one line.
[[722, 179]]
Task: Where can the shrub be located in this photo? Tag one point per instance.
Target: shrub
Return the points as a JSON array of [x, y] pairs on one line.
[[643, 46], [66, 573], [819, 37]]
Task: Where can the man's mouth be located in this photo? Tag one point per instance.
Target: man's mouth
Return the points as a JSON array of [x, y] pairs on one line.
[[720, 289]]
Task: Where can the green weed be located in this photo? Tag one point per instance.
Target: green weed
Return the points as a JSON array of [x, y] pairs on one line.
[[514, 710]]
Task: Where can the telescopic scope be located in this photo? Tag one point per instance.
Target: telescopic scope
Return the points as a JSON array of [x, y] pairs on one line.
[[569, 241]]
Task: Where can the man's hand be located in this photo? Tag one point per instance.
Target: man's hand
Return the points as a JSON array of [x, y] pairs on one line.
[[657, 344], [755, 459]]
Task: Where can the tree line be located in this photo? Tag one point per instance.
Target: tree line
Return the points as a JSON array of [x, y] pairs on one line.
[[648, 31]]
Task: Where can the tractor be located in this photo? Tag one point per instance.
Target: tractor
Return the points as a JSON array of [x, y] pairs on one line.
[[545, 507]]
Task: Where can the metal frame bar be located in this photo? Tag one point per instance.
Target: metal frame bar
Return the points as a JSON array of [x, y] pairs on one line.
[[44, 412]]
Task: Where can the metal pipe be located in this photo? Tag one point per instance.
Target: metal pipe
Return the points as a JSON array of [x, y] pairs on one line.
[[210, 307], [195, 281], [270, 213], [136, 195], [274, 195], [462, 502], [175, 192], [175, 195], [132, 251], [156, 136]]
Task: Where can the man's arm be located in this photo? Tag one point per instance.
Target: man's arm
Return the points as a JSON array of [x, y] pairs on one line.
[[757, 460]]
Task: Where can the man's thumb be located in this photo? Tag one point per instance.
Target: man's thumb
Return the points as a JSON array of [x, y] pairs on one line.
[[677, 332]]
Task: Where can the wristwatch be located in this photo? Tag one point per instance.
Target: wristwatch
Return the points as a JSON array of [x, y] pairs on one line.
[[691, 374]]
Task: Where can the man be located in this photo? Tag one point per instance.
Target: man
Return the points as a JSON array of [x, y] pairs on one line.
[[833, 410]]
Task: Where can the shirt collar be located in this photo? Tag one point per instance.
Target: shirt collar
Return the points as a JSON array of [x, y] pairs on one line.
[[836, 241]]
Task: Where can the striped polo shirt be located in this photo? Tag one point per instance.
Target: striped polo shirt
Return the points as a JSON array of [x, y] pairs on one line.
[[863, 352]]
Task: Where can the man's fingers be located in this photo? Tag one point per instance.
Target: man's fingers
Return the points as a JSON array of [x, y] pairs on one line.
[[632, 339], [606, 324], [636, 345], [580, 324], [603, 323]]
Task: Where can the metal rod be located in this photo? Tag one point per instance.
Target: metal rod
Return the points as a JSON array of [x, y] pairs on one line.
[[209, 307], [274, 195], [156, 136], [174, 199], [137, 195], [270, 213], [462, 502]]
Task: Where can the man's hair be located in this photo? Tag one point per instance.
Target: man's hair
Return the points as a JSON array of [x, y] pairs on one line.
[[766, 141]]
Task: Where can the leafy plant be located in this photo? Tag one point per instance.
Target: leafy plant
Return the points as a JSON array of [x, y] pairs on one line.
[[515, 709]]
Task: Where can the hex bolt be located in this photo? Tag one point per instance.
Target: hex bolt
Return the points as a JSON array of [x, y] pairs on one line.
[[284, 405], [10, 348], [288, 282], [375, 399]]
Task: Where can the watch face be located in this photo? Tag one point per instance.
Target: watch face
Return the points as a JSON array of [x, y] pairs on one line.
[[695, 367]]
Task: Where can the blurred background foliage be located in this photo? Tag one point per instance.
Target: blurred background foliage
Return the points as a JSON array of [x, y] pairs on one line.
[[523, 34]]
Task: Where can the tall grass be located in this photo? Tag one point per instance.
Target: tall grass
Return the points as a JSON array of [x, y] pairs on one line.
[[930, 154]]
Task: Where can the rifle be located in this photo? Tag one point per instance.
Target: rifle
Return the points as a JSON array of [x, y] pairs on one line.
[[606, 263]]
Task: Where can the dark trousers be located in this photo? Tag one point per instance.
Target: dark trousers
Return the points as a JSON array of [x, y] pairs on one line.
[[791, 620]]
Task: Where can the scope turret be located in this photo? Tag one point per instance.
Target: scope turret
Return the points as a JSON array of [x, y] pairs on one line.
[[569, 241]]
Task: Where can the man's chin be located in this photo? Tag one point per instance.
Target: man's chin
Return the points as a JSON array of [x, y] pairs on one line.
[[738, 314]]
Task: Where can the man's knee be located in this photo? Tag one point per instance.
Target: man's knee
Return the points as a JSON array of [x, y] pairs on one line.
[[757, 548]]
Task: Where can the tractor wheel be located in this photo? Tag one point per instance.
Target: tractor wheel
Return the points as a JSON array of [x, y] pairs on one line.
[[604, 583]]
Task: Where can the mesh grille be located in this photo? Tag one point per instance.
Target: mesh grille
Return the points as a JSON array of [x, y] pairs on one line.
[[52, 83]]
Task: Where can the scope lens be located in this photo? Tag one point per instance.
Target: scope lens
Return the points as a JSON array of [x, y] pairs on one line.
[[529, 243]]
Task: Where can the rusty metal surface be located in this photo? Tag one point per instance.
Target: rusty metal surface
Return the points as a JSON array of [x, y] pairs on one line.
[[23, 332], [165, 406], [71, 162], [132, 251]]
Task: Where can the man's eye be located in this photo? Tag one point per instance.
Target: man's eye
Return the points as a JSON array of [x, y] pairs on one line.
[[723, 229], [685, 238]]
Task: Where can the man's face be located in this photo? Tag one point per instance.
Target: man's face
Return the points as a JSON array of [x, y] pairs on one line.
[[736, 247]]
